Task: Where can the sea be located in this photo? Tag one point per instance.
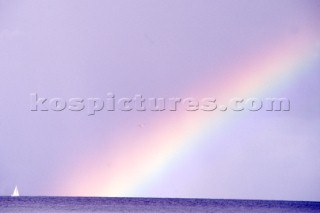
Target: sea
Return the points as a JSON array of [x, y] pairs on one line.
[[95, 204]]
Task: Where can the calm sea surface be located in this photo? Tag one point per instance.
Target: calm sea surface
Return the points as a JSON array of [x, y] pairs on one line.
[[84, 204]]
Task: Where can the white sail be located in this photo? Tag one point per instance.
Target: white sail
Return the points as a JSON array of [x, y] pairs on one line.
[[15, 192]]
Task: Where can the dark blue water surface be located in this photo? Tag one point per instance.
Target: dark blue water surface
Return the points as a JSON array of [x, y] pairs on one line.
[[86, 204]]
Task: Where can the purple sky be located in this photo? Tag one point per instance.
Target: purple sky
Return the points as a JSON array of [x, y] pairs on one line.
[[80, 48]]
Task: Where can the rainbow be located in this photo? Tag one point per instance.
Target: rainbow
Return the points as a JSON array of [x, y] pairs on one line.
[[140, 158]]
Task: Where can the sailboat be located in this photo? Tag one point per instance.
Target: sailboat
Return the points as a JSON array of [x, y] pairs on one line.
[[15, 192]]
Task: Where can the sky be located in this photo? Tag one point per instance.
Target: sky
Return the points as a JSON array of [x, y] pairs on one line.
[[171, 49]]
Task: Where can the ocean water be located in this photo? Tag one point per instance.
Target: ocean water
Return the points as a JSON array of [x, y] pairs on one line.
[[86, 204]]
